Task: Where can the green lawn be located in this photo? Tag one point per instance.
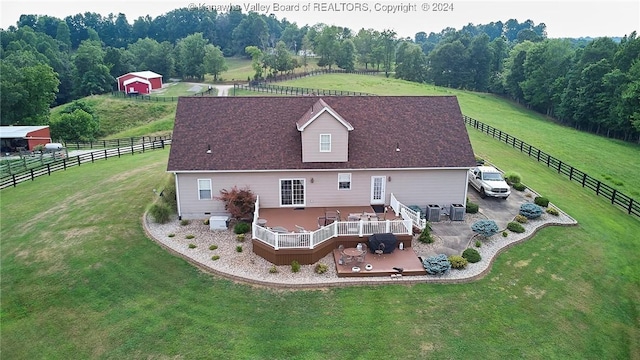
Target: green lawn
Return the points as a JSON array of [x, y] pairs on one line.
[[124, 117], [584, 151], [81, 280]]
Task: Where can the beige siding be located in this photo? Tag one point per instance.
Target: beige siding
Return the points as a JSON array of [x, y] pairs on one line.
[[411, 187], [325, 124]]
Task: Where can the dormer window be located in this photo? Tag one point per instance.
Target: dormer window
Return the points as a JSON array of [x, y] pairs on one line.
[[325, 142]]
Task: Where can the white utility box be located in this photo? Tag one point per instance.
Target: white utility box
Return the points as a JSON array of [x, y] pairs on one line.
[[218, 222]]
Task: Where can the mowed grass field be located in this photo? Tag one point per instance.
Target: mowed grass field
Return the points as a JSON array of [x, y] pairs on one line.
[[80, 279], [125, 117], [587, 152]]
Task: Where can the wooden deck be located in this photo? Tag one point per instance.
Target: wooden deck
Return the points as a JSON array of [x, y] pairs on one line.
[[307, 217], [383, 264]]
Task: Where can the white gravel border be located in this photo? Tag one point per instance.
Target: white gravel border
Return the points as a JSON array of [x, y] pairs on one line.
[[250, 268]]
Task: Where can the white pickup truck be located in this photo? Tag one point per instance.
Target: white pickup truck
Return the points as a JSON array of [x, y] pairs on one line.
[[489, 182]]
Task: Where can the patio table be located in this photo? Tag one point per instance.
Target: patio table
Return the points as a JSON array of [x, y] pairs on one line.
[[354, 252]]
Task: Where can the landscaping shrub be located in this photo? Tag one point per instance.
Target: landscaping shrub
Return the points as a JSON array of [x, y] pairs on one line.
[[530, 210], [553, 211], [521, 219], [541, 201], [295, 266], [213, 247], [206, 222], [458, 262], [241, 228], [512, 177], [485, 228], [239, 248], [215, 257], [472, 255], [321, 268], [478, 243], [436, 265], [189, 236], [192, 246], [273, 269], [505, 234], [160, 213], [171, 235], [472, 207], [516, 227], [519, 186], [168, 194], [425, 235], [240, 237], [240, 203], [185, 222]]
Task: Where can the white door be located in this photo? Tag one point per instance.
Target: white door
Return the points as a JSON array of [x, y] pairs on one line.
[[377, 190]]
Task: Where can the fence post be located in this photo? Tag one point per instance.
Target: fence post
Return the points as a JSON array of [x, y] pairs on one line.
[[105, 154], [598, 187], [48, 170], [613, 196], [64, 163], [32, 177], [630, 206], [570, 172], [584, 178], [13, 177], [91, 156]]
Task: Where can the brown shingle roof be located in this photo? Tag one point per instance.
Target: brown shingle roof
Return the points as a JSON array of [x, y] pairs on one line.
[[260, 133], [315, 110]]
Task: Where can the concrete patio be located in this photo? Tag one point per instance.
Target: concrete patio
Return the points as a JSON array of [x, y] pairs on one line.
[[457, 235]]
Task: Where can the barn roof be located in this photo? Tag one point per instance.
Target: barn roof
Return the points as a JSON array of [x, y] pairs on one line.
[[261, 133], [15, 132], [143, 74]]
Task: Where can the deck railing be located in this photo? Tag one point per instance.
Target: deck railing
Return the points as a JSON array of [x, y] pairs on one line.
[[339, 228], [407, 213], [256, 215]]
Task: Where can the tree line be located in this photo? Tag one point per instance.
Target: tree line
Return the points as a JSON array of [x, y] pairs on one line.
[[592, 84]]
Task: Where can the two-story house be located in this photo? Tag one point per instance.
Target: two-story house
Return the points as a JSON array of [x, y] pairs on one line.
[[312, 151]]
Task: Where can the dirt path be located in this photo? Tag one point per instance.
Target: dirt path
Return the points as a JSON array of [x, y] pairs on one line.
[[223, 90]]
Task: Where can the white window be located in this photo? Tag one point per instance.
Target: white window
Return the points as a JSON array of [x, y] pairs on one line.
[[325, 142], [292, 192], [344, 181], [204, 189]]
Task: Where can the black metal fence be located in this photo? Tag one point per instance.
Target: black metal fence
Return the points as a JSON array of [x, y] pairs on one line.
[[293, 76], [294, 90], [630, 205], [113, 143], [64, 163]]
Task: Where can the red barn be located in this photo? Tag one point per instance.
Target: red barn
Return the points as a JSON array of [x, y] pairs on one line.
[[140, 82], [27, 137]]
